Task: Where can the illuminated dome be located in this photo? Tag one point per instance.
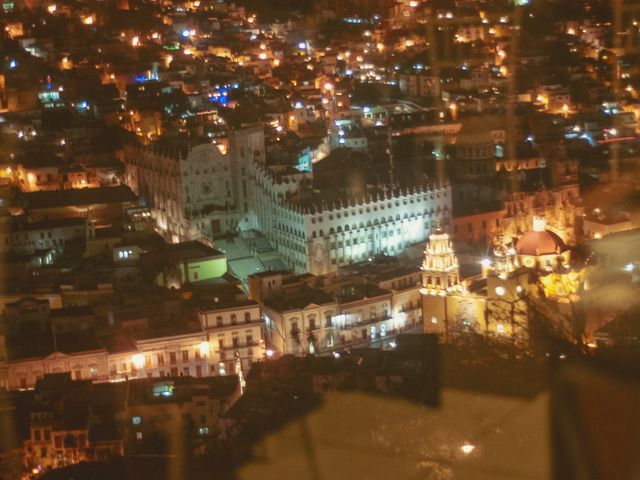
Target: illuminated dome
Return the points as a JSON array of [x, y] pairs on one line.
[[540, 241], [536, 244]]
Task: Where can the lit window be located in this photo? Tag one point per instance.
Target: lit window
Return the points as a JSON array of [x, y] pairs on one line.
[[163, 389], [204, 349]]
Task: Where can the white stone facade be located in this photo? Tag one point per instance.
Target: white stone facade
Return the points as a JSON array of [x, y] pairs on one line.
[[233, 332], [208, 351], [385, 224], [319, 240], [197, 193], [210, 192]]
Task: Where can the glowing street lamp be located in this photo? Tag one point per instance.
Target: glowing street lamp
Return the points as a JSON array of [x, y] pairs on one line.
[[467, 448]]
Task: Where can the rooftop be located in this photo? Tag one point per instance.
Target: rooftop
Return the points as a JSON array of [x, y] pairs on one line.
[[299, 300], [78, 197], [193, 250]]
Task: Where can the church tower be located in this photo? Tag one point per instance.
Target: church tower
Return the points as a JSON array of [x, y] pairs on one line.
[[440, 269]]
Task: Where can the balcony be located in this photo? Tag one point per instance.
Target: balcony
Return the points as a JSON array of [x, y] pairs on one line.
[[228, 352], [238, 345], [365, 322], [213, 327], [342, 343]]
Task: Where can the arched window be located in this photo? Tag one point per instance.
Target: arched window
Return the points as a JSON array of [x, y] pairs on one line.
[[294, 326], [219, 320], [312, 322], [234, 319], [247, 317]]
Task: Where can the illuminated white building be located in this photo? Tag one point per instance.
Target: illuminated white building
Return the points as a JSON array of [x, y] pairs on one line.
[[209, 191], [319, 237], [301, 324], [194, 191], [228, 331], [307, 314], [233, 331]]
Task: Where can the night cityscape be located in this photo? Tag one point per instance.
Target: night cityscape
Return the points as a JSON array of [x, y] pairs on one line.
[[319, 239]]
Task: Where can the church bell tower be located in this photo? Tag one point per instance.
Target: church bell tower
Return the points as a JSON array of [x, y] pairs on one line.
[[440, 269]]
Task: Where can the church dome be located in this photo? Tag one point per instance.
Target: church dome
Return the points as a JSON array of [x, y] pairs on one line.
[[537, 243]]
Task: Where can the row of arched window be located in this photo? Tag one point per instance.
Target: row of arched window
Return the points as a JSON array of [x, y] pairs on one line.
[[375, 207], [369, 223]]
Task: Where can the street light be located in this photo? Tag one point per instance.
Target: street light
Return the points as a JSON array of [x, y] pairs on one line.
[[467, 448]]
